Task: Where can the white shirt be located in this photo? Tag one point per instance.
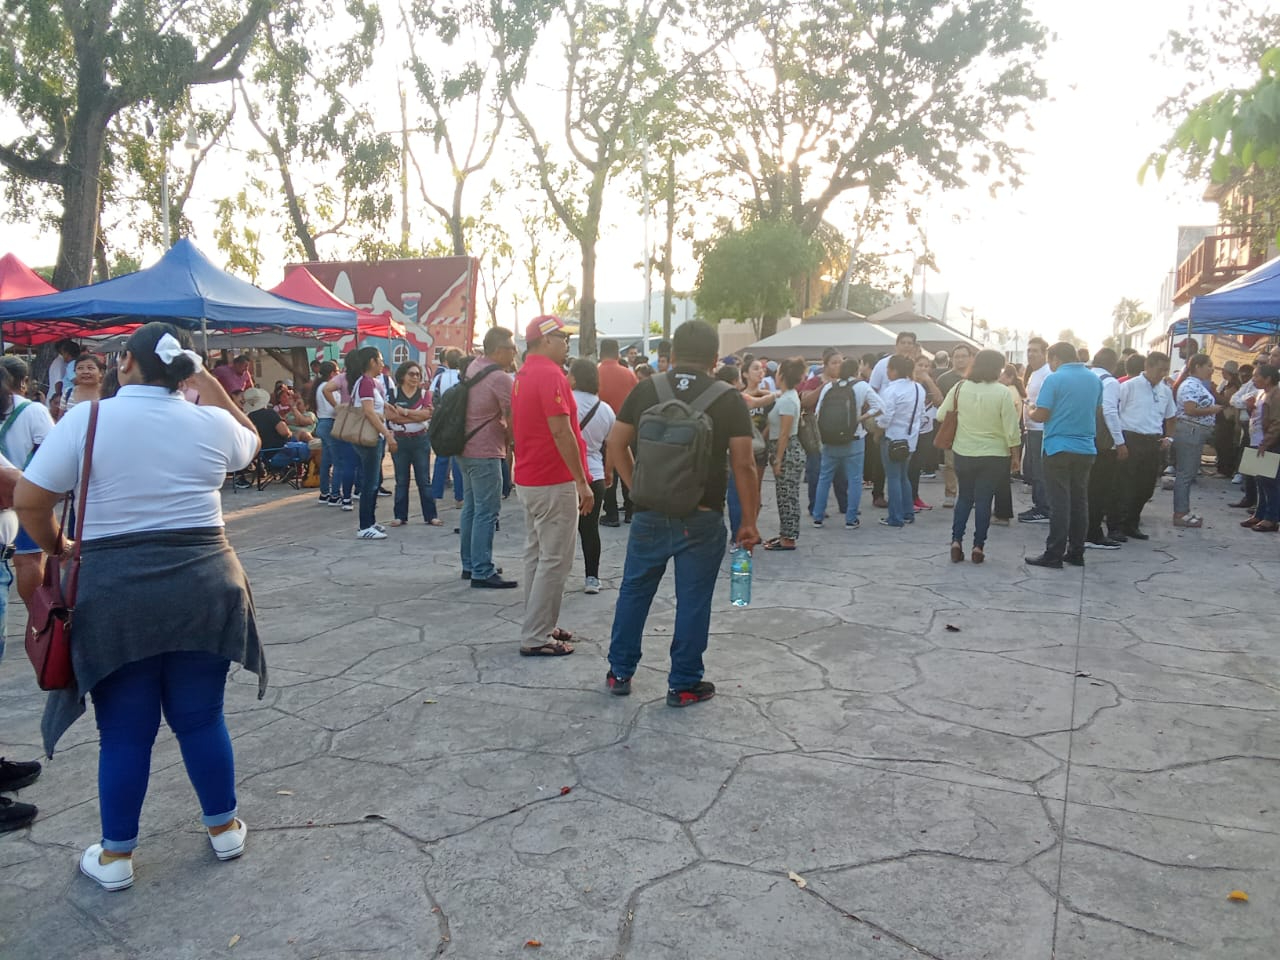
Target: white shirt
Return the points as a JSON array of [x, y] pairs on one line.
[[594, 433], [445, 378], [27, 433], [1144, 407], [863, 396], [1034, 383], [880, 375], [158, 462], [1194, 391], [8, 521], [768, 383], [1110, 403], [57, 370], [324, 409], [900, 397]]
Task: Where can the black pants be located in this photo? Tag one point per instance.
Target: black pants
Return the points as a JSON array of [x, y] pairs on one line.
[[873, 470], [1066, 482], [611, 499], [1104, 495], [1138, 474], [589, 531]]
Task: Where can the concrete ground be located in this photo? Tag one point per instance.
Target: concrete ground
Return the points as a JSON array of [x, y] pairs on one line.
[[954, 761]]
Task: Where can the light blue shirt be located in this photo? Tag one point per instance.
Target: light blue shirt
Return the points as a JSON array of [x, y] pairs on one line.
[[1072, 394]]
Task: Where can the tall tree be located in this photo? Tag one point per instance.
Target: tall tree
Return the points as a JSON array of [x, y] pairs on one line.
[[621, 61], [1129, 313], [69, 68], [747, 274], [817, 99]]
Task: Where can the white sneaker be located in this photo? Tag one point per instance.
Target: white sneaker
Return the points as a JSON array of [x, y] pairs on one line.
[[592, 585], [230, 843], [1238, 479], [117, 875], [380, 528], [371, 533]]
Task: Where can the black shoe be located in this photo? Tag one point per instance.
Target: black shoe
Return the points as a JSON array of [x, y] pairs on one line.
[[1101, 543], [702, 690], [627, 517], [1033, 516], [610, 522], [1117, 536], [618, 686], [384, 492], [16, 774], [1044, 560], [1133, 533], [1243, 504], [493, 583], [1075, 559], [466, 574], [15, 815]]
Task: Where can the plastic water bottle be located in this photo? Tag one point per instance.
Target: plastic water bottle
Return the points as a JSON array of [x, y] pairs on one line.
[[740, 577]]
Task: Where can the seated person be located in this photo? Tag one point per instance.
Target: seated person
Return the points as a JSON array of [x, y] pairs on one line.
[[279, 449], [287, 402]]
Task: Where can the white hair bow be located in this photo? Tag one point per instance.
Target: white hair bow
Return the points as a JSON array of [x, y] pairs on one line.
[[168, 349]]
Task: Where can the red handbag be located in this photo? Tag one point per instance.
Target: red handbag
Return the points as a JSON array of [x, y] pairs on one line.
[[53, 604]]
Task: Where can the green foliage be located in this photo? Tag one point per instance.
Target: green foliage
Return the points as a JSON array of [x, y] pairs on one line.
[[1068, 335], [747, 274], [1129, 313]]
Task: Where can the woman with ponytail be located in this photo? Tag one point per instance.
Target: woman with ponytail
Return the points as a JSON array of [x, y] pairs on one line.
[[146, 642]]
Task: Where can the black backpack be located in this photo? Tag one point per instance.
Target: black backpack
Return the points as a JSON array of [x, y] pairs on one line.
[[449, 419], [673, 450], [838, 417]]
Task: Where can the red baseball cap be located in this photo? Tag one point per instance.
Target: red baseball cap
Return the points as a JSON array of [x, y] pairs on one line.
[[539, 327]]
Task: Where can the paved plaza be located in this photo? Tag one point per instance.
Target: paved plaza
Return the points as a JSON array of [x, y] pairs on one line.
[[952, 761]]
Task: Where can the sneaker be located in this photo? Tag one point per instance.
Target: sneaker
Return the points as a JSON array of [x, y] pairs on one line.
[[884, 522], [1238, 479], [493, 583], [948, 503], [16, 774], [1133, 533], [371, 533], [230, 843], [380, 528], [242, 483], [817, 522], [1033, 516], [1000, 521], [1075, 559], [384, 492], [591, 585], [853, 526], [921, 505], [610, 522], [702, 690], [346, 505], [15, 815], [1101, 543], [1044, 560], [116, 875], [621, 686], [466, 574], [324, 498], [1117, 536], [928, 476]]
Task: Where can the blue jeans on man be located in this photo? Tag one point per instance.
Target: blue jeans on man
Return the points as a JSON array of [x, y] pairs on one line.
[[697, 544], [840, 460], [1033, 470], [897, 487], [481, 502], [293, 451], [812, 474]]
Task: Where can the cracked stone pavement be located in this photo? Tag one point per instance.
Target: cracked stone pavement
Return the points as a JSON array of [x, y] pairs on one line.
[[1083, 771]]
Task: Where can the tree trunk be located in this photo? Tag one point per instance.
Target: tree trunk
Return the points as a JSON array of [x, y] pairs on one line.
[[587, 300], [668, 292], [768, 326], [81, 197]]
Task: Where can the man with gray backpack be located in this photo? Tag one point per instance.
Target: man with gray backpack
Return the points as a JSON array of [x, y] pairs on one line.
[[844, 407], [672, 444]]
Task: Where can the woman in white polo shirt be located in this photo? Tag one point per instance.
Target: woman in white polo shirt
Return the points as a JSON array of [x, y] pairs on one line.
[[145, 641]]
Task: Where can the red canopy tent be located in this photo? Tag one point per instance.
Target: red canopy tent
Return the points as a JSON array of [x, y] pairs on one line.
[[17, 280], [301, 286]]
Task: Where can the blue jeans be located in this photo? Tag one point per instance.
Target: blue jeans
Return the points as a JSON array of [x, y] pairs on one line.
[[1033, 470], [897, 487], [293, 451], [413, 450], [481, 501], [697, 543], [328, 457], [733, 505], [1188, 446], [188, 687], [812, 476], [370, 460], [445, 466], [345, 465], [6, 581], [840, 458], [977, 479]]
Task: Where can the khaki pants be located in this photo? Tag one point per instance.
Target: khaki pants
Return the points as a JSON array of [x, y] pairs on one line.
[[949, 487], [551, 522]]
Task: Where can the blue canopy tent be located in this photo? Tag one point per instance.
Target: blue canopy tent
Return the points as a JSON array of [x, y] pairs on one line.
[[1247, 305], [183, 287]]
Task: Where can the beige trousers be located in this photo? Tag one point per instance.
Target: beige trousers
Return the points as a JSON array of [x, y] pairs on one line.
[[949, 487], [551, 524]]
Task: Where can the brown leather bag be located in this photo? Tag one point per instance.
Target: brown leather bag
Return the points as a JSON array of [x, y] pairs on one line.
[[53, 604], [945, 435]]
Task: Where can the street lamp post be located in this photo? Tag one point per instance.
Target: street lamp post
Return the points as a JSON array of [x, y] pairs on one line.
[[191, 144]]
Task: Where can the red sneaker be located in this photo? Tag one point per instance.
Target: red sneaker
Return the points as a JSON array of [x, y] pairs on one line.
[[921, 505]]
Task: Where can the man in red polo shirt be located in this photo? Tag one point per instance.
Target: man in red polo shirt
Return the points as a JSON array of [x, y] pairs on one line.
[[551, 475], [616, 382]]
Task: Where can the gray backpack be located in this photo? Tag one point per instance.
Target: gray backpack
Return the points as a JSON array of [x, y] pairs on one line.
[[673, 450]]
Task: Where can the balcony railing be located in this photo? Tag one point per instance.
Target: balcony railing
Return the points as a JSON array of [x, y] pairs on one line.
[[1217, 260]]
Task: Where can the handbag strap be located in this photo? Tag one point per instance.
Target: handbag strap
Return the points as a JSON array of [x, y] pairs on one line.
[[73, 577]]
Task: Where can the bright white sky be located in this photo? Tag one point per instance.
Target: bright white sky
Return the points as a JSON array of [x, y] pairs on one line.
[[1059, 252]]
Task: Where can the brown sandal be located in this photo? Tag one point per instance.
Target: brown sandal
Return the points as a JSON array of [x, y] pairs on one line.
[[957, 552], [561, 636], [978, 555], [554, 648]]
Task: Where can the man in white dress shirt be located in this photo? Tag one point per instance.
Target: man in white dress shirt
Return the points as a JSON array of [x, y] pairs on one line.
[[1104, 481], [1148, 417]]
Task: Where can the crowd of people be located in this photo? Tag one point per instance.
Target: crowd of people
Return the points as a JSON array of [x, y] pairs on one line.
[[667, 447]]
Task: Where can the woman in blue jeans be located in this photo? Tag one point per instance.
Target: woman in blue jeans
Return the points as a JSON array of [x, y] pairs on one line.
[[408, 415], [330, 474], [363, 367], [146, 643], [988, 434]]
